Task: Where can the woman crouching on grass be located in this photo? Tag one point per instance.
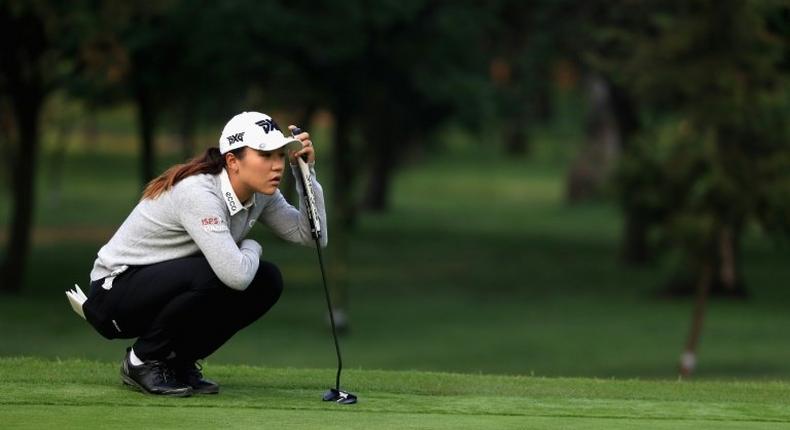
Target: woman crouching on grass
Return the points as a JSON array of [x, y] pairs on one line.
[[178, 274]]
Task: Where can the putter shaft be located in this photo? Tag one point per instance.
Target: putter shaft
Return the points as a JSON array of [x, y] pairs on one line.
[[331, 315], [315, 227]]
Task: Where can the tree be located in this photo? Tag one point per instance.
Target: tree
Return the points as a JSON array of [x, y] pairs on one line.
[[125, 54], [389, 73], [153, 49], [33, 58], [712, 82], [611, 113], [411, 93], [528, 40]]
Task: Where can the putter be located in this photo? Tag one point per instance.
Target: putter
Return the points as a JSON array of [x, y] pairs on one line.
[[333, 394]]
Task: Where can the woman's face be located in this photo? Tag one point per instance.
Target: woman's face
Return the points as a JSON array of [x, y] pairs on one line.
[[262, 171]]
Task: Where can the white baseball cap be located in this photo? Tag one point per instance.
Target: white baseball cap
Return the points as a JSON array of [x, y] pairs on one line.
[[256, 130]]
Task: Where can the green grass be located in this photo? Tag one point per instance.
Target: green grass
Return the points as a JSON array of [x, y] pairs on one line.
[[83, 394], [478, 267]]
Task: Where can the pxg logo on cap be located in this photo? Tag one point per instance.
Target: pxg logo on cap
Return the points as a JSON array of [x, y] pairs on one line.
[[256, 130]]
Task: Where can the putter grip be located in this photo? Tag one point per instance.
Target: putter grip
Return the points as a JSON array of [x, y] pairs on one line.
[[309, 196]]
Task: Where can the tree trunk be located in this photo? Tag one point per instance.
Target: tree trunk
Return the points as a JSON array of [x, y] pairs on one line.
[[146, 117], [636, 248], [635, 244], [688, 360], [27, 103], [23, 43], [380, 176], [727, 280], [7, 141], [603, 142], [343, 167], [725, 277], [516, 139], [727, 256]]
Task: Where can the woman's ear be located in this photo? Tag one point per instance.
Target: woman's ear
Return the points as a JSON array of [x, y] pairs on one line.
[[231, 162]]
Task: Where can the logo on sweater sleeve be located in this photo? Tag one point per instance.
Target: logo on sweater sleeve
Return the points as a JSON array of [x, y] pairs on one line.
[[213, 223]]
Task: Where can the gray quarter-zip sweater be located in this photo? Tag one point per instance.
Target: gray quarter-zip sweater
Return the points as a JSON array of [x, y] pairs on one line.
[[202, 213]]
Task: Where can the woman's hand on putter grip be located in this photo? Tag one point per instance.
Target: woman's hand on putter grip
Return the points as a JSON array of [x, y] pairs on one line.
[[307, 147]]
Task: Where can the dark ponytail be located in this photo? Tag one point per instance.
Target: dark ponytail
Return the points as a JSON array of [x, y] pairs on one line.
[[210, 162]]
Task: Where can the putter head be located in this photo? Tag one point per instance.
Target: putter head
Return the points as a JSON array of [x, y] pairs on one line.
[[342, 397]]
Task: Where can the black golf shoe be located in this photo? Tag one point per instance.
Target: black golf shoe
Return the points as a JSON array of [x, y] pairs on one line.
[[153, 377], [192, 374]]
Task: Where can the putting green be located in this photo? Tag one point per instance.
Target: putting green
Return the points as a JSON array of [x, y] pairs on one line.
[[81, 394]]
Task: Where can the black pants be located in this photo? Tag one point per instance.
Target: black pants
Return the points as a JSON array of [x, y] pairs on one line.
[[179, 307]]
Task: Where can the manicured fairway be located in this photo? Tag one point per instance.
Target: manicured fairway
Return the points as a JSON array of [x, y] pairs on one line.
[[82, 394], [523, 284]]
